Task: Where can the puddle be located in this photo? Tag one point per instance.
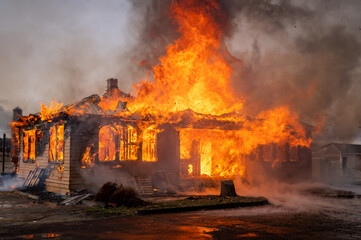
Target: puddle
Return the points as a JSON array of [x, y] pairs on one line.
[[13, 205], [178, 233], [40, 236], [247, 235], [27, 236], [7, 205], [200, 230]]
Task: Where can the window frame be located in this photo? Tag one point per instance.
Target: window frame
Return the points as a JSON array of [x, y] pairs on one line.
[[55, 158], [149, 145], [114, 137], [127, 144], [30, 144]]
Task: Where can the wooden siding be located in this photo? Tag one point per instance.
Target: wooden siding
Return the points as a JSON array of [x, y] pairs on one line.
[[57, 182], [81, 138]]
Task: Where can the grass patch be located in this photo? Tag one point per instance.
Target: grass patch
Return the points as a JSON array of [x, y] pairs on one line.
[[116, 211], [195, 201], [190, 203]]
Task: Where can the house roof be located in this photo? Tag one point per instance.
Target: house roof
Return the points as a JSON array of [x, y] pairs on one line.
[[346, 148]]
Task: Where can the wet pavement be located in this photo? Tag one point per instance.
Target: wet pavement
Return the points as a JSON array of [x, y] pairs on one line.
[[314, 218]]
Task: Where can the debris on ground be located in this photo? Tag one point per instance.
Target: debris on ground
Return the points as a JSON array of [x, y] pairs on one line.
[[76, 199], [41, 194], [117, 196], [35, 178]]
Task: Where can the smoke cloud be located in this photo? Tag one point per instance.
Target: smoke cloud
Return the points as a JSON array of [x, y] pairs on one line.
[[304, 54], [301, 54], [102, 174]]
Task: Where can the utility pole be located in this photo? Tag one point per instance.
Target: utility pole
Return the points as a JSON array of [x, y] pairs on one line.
[[4, 152]]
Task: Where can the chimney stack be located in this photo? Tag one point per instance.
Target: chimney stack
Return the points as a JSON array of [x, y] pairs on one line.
[[17, 113], [112, 83]]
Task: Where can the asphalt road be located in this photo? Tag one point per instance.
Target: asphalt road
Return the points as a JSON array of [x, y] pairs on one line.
[[294, 218]]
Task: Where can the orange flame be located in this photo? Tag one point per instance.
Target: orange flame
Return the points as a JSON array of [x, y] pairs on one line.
[[52, 144], [193, 74], [60, 169], [47, 113], [192, 82], [60, 142], [223, 152], [87, 159], [29, 144]]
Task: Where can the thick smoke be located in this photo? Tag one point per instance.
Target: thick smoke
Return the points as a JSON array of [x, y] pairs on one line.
[[302, 59], [304, 55], [99, 175]]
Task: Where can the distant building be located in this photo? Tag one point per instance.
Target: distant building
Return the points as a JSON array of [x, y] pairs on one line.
[[337, 161]]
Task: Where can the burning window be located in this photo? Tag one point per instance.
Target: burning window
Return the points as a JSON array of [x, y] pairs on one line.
[[268, 152], [56, 143], [206, 158], [29, 144], [87, 158], [196, 151], [293, 154], [148, 147], [189, 155], [60, 143], [107, 138], [203, 154], [115, 140], [122, 141], [282, 152], [132, 150]]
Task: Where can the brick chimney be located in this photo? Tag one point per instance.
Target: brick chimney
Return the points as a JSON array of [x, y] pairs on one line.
[[17, 113], [112, 83]]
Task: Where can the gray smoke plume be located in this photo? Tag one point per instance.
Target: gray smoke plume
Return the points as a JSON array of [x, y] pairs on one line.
[[303, 58], [296, 53], [304, 54]]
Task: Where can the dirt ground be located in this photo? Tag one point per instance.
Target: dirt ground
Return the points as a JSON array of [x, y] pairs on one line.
[[18, 210], [317, 218]]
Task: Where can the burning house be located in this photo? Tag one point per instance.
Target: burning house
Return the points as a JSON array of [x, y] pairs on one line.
[[185, 124], [185, 145]]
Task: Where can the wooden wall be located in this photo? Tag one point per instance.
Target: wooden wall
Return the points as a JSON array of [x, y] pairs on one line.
[[56, 181], [81, 137]]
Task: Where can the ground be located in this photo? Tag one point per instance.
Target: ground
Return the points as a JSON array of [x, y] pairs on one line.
[[301, 218]]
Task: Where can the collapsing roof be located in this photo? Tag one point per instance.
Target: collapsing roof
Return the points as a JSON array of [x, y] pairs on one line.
[[114, 103]]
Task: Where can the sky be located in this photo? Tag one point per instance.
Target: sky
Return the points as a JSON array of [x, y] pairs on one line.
[[305, 54], [60, 49]]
